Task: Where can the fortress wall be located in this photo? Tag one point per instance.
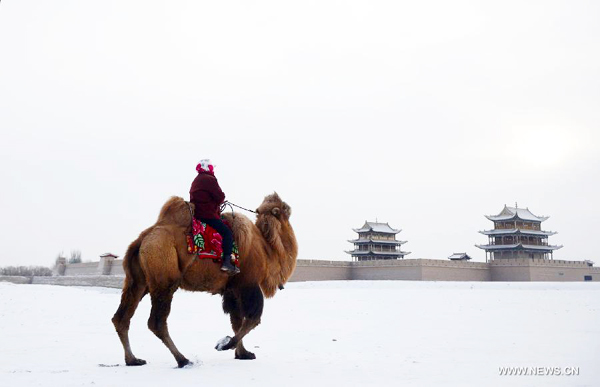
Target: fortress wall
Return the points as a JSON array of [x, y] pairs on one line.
[[314, 270], [449, 273], [114, 267], [390, 269], [541, 270], [560, 273], [421, 270], [15, 279], [510, 273], [117, 267], [88, 268], [560, 270], [595, 273], [379, 270], [518, 269], [510, 269], [107, 281]]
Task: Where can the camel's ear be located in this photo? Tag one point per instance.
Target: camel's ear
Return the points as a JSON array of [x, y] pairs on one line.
[[275, 211], [287, 210], [256, 211]]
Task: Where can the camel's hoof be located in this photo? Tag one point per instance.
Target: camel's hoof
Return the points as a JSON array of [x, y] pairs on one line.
[[183, 363], [225, 343], [245, 356], [135, 362]]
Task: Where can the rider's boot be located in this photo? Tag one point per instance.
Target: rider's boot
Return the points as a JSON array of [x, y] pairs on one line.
[[228, 266]]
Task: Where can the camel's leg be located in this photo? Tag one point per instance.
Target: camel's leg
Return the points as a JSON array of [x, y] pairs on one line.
[[133, 292], [232, 305], [161, 307], [245, 312], [241, 353]]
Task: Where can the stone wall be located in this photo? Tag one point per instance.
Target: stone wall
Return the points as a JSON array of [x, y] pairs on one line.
[[109, 272], [15, 279], [314, 270], [509, 272], [542, 270], [88, 268], [420, 270], [559, 273], [404, 269], [387, 270], [107, 281], [438, 270], [117, 267], [106, 266]]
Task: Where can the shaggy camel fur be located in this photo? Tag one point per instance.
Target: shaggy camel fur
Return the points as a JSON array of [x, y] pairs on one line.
[[157, 262]]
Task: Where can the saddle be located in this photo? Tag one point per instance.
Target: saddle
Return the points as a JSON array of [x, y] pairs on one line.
[[207, 243]]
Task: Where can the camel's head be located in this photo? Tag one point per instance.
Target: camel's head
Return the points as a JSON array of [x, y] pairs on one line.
[[176, 212], [272, 205]]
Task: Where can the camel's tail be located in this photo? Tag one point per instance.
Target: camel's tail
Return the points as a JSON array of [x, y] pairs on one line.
[[131, 257], [131, 262], [134, 287]]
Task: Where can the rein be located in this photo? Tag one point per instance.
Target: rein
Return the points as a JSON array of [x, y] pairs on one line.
[[223, 206], [191, 212], [230, 204], [191, 225]]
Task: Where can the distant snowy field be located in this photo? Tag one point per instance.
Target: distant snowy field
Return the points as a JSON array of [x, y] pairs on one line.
[[385, 333]]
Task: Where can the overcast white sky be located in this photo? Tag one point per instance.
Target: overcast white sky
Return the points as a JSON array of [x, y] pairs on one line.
[[426, 115]]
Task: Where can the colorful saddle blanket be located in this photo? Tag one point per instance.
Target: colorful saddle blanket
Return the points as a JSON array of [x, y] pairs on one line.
[[206, 242]]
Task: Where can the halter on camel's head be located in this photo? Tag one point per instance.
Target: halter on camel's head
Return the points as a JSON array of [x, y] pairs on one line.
[[273, 205]]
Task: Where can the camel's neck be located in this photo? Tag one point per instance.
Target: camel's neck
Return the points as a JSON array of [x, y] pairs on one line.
[[288, 240], [287, 259], [281, 260]]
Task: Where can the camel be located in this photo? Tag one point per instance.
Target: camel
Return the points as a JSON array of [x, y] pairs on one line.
[[158, 262]]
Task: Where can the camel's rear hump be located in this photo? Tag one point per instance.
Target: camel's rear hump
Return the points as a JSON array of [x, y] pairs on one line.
[[158, 258]]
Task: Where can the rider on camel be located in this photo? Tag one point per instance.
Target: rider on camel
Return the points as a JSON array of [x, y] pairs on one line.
[[207, 197]]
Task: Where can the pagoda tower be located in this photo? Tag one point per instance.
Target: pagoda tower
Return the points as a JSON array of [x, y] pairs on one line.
[[518, 233], [376, 241]]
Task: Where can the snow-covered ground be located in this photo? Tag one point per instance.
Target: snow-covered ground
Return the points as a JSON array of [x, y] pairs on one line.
[[384, 333]]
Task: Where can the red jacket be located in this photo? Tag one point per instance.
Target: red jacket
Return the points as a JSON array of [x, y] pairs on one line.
[[207, 196]]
